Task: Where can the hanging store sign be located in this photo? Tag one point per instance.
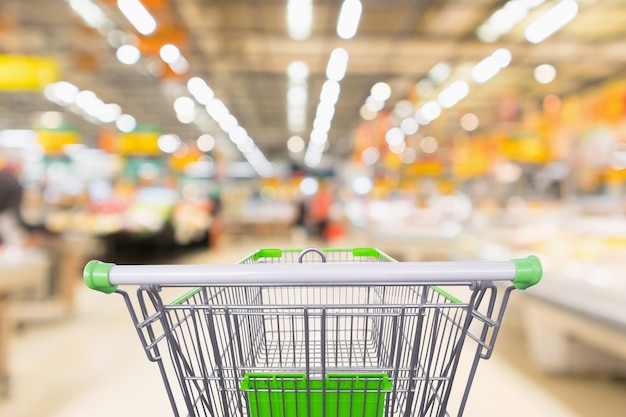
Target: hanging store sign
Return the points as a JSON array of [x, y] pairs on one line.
[[27, 73]]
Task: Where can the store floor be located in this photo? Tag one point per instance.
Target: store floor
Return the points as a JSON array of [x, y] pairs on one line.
[[91, 365]]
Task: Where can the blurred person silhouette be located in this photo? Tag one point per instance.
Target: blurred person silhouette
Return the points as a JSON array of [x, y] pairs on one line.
[[319, 210], [300, 226], [12, 227]]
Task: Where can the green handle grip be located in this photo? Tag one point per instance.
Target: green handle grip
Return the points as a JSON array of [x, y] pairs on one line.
[[96, 276], [528, 272]]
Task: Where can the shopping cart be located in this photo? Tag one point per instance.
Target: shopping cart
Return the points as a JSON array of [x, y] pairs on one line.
[[318, 333]]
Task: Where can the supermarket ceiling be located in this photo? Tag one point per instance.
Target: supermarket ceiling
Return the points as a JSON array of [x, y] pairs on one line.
[[242, 49]]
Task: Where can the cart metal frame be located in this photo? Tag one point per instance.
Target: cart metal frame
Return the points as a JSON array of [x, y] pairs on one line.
[[319, 333]]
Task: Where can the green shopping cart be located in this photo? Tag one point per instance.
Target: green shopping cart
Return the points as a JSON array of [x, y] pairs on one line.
[[317, 332]]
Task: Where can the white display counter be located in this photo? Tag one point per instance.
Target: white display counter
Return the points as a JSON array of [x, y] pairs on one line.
[[575, 318]]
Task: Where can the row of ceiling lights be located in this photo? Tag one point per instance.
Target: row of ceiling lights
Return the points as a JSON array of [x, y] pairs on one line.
[[184, 106], [497, 25], [347, 26]]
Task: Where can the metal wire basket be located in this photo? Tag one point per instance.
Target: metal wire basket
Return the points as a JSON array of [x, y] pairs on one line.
[[318, 333]]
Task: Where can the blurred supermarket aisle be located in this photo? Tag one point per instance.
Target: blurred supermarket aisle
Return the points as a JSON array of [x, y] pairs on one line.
[[92, 365]]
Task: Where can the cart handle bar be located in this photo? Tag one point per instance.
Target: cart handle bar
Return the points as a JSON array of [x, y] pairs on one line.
[[105, 277]]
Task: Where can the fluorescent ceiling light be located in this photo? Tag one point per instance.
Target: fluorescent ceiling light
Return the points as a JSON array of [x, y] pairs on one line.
[[216, 109], [330, 92], [325, 111], [295, 144], [374, 104], [394, 136], [109, 112], [299, 19], [409, 126], [228, 123], [126, 123], [297, 71], [169, 53], [440, 72], [452, 94], [545, 73], [128, 54], [486, 69], [168, 143], [138, 16], [90, 12], [381, 91], [431, 110], [200, 90], [503, 56], [184, 105], [505, 18], [180, 66], [553, 20], [337, 64], [64, 93], [297, 95], [349, 17], [206, 142]]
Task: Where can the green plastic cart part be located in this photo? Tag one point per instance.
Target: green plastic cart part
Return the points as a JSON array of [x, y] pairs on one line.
[[96, 276], [528, 272], [356, 252], [343, 395]]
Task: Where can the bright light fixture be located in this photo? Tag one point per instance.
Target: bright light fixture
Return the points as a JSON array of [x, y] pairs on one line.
[[394, 136], [200, 90], [469, 122], [108, 113], [330, 92], [349, 17], [216, 109], [128, 54], [431, 110], [429, 144], [503, 56], [297, 71], [370, 155], [180, 66], [452, 94], [206, 143], [308, 186], [295, 144], [545, 73], [90, 12], [184, 105], [551, 21], [168, 143], [381, 91], [126, 123], [299, 19], [409, 126], [440, 72], [486, 69], [362, 185], [169, 53], [138, 16], [64, 92], [337, 64]]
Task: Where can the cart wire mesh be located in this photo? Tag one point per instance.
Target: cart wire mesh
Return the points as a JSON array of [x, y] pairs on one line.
[[318, 350]]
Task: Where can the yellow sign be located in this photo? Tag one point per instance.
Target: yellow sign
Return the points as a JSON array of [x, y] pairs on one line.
[[525, 149], [53, 141], [19, 73], [139, 143]]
